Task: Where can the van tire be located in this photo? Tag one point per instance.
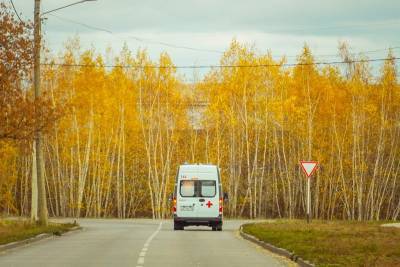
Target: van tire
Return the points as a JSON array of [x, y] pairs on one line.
[[178, 226]]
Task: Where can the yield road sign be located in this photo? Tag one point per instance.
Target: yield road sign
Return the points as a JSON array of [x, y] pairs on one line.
[[309, 167]]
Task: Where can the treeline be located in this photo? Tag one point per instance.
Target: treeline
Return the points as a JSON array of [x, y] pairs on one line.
[[120, 133], [262, 121]]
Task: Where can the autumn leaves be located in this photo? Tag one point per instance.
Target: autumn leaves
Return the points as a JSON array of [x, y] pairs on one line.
[[118, 134]]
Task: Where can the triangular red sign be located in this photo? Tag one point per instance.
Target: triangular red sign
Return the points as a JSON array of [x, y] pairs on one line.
[[309, 167]]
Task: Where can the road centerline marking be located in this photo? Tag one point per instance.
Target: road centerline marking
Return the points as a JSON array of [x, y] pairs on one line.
[[140, 260], [142, 253]]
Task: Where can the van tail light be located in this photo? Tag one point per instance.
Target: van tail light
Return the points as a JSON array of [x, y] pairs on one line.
[[220, 206], [174, 207]]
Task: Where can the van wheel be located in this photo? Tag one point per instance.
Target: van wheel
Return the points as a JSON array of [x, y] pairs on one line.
[[178, 226]]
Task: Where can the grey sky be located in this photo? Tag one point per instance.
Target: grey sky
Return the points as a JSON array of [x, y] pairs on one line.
[[282, 26]]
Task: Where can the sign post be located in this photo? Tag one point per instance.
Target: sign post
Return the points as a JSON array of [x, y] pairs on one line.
[[308, 168]]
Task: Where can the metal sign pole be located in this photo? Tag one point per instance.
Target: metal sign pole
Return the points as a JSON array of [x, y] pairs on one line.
[[308, 199], [309, 168]]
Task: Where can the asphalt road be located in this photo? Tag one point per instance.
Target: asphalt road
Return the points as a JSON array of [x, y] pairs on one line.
[[144, 243]]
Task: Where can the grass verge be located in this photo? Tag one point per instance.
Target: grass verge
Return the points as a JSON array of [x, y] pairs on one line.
[[333, 243], [15, 230]]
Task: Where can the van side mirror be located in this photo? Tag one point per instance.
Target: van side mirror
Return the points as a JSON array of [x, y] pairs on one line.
[[226, 197]]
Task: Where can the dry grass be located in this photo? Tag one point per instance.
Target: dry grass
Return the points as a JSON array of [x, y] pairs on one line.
[[14, 230], [333, 243]]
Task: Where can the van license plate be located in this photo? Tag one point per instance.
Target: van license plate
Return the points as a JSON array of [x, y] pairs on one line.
[[187, 208]]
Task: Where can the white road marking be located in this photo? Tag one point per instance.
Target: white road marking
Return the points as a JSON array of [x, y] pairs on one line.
[[142, 254], [140, 260]]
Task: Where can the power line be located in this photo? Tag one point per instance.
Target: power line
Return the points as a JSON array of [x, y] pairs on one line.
[[221, 66], [81, 24], [65, 6], [140, 39], [15, 10], [352, 54], [144, 40], [376, 50]]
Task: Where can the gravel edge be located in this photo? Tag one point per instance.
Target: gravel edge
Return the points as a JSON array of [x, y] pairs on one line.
[[280, 251], [36, 238]]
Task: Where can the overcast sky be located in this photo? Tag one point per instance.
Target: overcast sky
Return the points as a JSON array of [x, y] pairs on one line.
[[281, 26]]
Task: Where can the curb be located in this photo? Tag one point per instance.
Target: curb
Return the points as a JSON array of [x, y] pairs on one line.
[[397, 225], [72, 230], [30, 240], [280, 251]]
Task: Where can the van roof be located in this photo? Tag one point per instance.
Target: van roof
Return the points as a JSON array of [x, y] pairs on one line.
[[198, 168]]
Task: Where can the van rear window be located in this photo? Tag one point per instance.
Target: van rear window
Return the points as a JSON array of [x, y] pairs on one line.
[[187, 188], [197, 188], [207, 188]]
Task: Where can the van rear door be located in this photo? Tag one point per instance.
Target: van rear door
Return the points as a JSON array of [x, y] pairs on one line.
[[187, 202], [208, 199]]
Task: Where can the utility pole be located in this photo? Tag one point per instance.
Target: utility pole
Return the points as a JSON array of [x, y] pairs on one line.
[[38, 168], [38, 172], [42, 200]]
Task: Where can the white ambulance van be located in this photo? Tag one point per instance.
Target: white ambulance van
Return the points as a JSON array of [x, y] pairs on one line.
[[198, 197]]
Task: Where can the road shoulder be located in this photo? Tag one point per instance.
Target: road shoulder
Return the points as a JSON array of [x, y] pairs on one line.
[[284, 260], [24, 242], [280, 253]]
